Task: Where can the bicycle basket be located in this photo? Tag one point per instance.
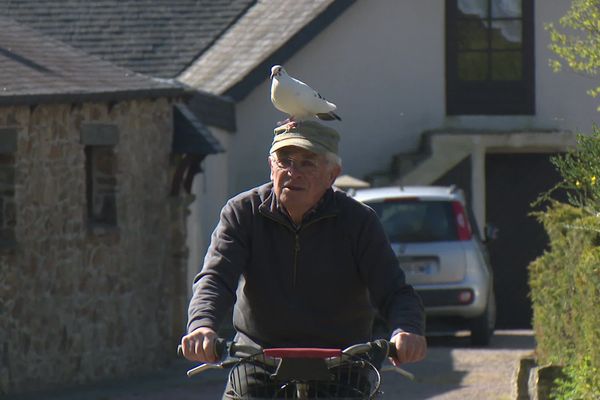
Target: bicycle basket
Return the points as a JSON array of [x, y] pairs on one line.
[[347, 377]]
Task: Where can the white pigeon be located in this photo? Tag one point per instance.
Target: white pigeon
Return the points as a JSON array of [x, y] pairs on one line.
[[297, 99]]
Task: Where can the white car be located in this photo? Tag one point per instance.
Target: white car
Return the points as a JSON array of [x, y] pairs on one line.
[[440, 250]]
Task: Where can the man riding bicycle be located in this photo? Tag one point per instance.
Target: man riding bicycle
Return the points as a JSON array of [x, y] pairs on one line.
[[303, 263]]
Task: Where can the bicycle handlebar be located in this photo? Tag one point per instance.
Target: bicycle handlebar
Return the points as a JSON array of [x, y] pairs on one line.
[[236, 351], [362, 348]]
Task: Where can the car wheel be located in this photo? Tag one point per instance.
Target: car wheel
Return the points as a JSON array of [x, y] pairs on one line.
[[482, 327]]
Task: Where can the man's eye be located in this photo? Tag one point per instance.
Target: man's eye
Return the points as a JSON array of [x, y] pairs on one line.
[[309, 164], [285, 162]]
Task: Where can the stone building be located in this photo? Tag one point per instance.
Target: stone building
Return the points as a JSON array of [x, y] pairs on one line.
[[158, 38], [92, 243]]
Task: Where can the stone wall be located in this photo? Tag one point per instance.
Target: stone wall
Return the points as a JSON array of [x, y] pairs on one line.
[[80, 303]]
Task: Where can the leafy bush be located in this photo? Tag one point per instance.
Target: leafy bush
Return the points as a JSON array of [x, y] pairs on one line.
[[580, 170], [577, 41], [581, 381], [565, 280]]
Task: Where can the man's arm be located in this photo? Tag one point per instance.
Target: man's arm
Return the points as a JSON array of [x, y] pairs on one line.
[[397, 302], [215, 285]]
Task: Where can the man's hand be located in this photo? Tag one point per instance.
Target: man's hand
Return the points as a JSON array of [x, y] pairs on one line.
[[199, 345], [410, 347]]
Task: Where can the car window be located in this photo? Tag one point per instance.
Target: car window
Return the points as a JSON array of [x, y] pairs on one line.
[[417, 221]]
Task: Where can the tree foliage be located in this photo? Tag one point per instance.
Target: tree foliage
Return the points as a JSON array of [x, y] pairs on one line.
[[580, 171], [577, 43]]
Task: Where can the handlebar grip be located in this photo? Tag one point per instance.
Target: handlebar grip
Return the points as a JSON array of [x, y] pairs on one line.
[[220, 348], [385, 346]]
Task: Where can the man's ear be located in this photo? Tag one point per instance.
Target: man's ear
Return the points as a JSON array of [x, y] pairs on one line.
[[270, 161], [335, 172]]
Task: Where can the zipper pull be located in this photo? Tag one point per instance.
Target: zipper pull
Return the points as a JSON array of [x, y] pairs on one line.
[[296, 250]]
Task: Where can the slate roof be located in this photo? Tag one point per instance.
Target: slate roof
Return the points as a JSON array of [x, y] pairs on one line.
[[35, 68], [214, 110], [191, 135], [154, 37], [269, 33]]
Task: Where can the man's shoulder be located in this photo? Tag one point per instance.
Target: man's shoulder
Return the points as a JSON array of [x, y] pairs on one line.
[[347, 203], [255, 195]]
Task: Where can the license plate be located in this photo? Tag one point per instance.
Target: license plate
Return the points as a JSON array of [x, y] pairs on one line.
[[419, 267]]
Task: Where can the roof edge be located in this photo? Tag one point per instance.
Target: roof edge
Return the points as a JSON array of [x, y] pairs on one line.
[[55, 98], [255, 77]]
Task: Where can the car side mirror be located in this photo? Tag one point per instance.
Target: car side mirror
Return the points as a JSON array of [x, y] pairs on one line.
[[491, 232]]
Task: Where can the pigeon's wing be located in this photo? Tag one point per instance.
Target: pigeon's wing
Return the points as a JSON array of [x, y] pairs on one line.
[[311, 99]]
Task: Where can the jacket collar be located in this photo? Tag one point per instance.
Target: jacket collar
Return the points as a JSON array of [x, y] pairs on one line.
[[270, 207]]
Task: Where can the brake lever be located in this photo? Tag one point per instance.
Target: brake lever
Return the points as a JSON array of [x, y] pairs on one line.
[[203, 367], [401, 371]]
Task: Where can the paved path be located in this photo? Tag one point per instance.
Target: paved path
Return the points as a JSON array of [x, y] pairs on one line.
[[452, 370]]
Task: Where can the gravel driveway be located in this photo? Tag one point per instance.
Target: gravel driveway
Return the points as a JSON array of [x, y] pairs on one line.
[[452, 370]]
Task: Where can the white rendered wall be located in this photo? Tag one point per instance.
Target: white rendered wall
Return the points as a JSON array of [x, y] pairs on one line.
[[211, 188], [383, 63]]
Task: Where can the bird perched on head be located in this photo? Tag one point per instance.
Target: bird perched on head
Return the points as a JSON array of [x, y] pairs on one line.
[[297, 99]]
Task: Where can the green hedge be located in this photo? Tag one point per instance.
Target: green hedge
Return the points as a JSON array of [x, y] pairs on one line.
[[565, 292], [565, 280]]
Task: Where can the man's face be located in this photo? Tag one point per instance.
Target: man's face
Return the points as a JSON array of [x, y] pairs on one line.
[[300, 178]]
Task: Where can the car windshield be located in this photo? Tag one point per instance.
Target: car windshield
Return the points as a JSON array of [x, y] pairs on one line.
[[413, 220]]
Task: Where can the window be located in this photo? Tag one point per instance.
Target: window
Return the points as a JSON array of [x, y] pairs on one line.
[[99, 142], [101, 183], [489, 57], [8, 207], [417, 221]]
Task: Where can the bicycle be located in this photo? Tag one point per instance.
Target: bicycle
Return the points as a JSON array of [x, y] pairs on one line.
[[302, 373]]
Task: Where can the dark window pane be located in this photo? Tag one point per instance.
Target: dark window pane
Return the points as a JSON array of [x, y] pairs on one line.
[[472, 66], [417, 221], [471, 35], [505, 8], [473, 8], [489, 57], [507, 66], [101, 185], [8, 206], [507, 35]]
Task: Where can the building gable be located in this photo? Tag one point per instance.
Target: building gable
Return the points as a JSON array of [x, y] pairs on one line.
[[264, 41]]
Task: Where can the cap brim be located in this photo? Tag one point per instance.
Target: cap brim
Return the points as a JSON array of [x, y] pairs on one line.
[[298, 142]]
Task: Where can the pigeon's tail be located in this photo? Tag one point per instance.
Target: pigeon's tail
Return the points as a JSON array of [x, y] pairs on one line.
[[330, 116]]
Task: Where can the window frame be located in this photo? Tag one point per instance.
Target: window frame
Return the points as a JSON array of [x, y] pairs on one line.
[[100, 137], [92, 183], [489, 97], [8, 203]]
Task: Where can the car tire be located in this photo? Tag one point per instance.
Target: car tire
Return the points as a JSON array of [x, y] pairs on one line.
[[482, 327]]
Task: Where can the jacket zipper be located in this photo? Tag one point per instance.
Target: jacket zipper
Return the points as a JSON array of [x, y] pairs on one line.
[[297, 241], [297, 245], [296, 251]]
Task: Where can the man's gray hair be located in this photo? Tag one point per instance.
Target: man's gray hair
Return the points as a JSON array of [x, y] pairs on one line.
[[333, 158]]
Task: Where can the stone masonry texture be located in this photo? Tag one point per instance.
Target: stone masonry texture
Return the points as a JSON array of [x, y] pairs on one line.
[[80, 304]]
